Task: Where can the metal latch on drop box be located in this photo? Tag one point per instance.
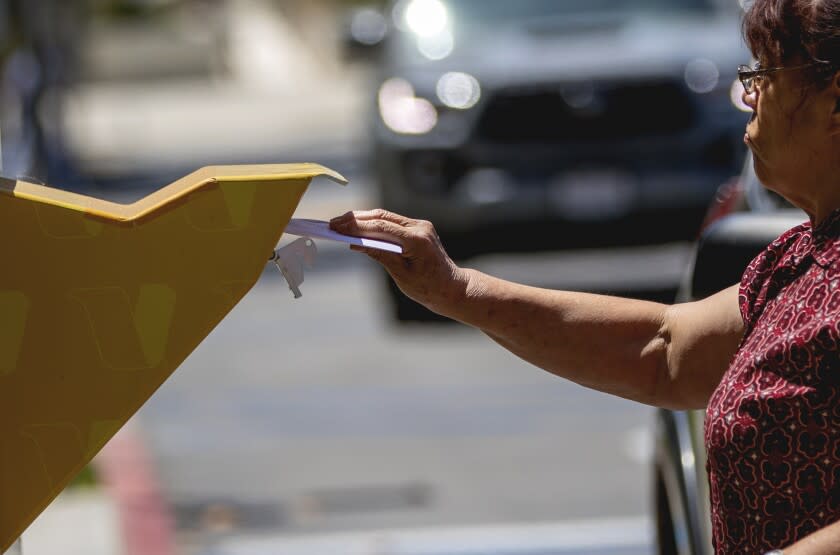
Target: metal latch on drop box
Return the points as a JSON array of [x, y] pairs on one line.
[[292, 258]]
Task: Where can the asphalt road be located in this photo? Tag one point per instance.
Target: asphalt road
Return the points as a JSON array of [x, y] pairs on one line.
[[313, 417]]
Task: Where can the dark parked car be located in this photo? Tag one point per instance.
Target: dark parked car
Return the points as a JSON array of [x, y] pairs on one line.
[[556, 122], [744, 218]]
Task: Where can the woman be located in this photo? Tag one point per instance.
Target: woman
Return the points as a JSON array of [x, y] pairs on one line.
[[762, 357]]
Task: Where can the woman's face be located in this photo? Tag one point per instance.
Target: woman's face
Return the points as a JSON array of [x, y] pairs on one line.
[[789, 133]]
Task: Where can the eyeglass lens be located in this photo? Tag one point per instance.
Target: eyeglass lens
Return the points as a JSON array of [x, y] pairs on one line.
[[747, 78]]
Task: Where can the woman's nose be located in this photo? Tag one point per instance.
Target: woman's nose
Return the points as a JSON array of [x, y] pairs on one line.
[[749, 99]]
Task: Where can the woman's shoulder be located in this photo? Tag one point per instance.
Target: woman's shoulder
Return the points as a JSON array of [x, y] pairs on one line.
[[779, 253]]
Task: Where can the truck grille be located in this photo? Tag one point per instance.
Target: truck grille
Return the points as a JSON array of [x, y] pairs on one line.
[[605, 112]]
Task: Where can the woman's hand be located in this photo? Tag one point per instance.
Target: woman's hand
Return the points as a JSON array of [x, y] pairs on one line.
[[423, 271]]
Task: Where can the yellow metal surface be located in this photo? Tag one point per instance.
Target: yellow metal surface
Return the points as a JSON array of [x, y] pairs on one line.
[[100, 302]]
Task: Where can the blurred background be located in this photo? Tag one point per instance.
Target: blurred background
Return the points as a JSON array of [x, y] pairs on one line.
[[569, 144]]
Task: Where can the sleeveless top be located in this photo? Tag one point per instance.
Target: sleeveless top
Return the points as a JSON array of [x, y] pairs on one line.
[[772, 428]]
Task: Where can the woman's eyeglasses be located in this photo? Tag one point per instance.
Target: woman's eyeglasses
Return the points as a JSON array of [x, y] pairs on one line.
[[751, 77]]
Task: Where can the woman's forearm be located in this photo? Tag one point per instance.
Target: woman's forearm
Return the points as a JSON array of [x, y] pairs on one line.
[[606, 343], [670, 356]]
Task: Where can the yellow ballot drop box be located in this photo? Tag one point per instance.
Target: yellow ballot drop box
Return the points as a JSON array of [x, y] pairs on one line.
[[100, 302]]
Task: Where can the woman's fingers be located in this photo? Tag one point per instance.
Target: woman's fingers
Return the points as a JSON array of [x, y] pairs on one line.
[[424, 271], [380, 214], [417, 237], [377, 214], [371, 228]]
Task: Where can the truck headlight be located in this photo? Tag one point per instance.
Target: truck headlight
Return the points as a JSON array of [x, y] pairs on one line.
[[402, 111], [457, 90], [426, 17]]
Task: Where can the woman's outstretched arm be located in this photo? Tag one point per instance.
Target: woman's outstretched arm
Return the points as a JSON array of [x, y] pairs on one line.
[[668, 356]]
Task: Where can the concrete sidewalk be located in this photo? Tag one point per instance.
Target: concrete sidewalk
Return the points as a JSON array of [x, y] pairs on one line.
[[119, 129], [608, 536], [277, 99], [78, 522]]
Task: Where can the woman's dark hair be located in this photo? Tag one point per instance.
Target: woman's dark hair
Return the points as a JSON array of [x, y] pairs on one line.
[[779, 32]]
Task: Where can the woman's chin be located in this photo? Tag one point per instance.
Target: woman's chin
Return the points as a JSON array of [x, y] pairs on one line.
[[761, 172]]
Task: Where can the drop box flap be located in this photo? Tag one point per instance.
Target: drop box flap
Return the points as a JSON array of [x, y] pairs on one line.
[[100, 302]]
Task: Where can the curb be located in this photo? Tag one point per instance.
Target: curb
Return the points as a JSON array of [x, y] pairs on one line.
[[126, 469]]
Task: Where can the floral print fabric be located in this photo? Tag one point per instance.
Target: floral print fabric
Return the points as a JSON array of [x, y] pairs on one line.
[[773, 424]]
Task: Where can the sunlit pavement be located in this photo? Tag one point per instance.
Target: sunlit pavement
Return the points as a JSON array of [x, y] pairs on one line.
[[303, 422], [278, 101], [609, 536], [171, 125], [310, 417]]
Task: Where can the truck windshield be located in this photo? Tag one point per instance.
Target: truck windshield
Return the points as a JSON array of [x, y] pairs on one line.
[[468, 12]]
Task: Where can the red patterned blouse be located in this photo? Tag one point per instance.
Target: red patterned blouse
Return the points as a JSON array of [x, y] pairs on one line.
[[773, 423]]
